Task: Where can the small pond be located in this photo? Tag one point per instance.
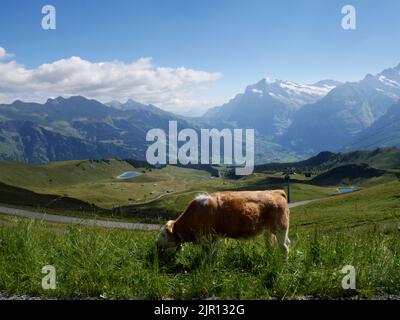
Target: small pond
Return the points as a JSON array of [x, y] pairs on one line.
[[347, 189], [128, 175]]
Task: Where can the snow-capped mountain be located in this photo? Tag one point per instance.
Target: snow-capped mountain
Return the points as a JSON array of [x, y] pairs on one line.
[[386, 82], [291, 121], [291, 93], [269, 105], [333, 121]]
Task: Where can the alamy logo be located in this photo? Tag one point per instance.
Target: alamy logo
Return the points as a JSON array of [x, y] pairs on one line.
[[188, 152], [49, 20], [349, 20], [49, 280], [349, 280]]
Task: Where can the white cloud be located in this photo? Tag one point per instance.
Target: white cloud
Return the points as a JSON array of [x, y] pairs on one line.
[[4, 54], [171, 88]]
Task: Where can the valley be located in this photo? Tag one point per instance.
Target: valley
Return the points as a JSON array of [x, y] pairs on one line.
[[98, 259], [90, 188]]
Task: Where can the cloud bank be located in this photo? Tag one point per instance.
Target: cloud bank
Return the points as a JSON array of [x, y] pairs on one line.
[[171, 88]]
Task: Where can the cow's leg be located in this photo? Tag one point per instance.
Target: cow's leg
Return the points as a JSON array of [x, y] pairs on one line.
[[283, 240], [269, 237]]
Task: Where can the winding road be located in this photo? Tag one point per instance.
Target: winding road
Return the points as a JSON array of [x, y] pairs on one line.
[[99, 223]]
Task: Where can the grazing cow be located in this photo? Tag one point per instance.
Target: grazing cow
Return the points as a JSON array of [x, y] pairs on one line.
[[241, 214]]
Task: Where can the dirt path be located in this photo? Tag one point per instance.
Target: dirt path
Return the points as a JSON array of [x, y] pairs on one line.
[[80, 221], [303, 203]]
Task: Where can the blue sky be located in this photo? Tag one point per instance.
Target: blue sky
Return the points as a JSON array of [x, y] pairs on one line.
[[242, 41]]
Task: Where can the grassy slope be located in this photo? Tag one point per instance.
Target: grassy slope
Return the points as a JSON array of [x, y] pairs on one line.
[[374, 205], [93, 262], [63, 173], [95, 181]]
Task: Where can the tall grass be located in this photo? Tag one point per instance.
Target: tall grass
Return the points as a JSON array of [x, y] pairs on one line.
[[115, 264]]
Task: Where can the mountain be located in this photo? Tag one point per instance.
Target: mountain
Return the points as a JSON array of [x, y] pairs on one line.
[[269, 105], [27, 142], [292, 121], [114, 104], [134, 105], [80, 128], [384, 132], [76, 128], [128, 105], [333, 121], [327, 83]]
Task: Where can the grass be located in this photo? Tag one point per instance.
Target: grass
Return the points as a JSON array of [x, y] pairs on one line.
[[119, 264], [357, 229], [370, 206]]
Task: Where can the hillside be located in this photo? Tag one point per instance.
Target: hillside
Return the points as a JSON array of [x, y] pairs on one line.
[[96, 182], [384, 132], [378, 205], [382, 158], [347, 174], [63, 173], [20, 197]]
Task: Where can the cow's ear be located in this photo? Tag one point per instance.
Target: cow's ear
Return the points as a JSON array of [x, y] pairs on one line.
[[170, 226]]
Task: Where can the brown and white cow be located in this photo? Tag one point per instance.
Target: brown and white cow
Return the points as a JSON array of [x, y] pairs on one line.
[[240, 214]]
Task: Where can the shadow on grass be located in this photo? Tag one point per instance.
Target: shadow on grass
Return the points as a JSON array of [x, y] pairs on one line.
[[242, 256], [191, 257]]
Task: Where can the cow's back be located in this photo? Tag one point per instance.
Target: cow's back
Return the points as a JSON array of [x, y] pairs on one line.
[[247, 213], [232, 214]]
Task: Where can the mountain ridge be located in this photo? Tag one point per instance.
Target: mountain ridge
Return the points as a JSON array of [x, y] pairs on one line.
[[333, 121], [291, 121]]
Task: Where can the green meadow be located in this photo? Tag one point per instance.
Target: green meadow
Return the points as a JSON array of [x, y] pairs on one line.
[[360, 229]]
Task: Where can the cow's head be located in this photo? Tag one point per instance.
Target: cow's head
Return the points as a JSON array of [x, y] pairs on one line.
[[166, 238]]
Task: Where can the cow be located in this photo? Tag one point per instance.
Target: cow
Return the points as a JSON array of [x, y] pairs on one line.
[[239, 214]]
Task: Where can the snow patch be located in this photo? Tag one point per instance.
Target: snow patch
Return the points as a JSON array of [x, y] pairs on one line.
[[257, 91], [388, 82]]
